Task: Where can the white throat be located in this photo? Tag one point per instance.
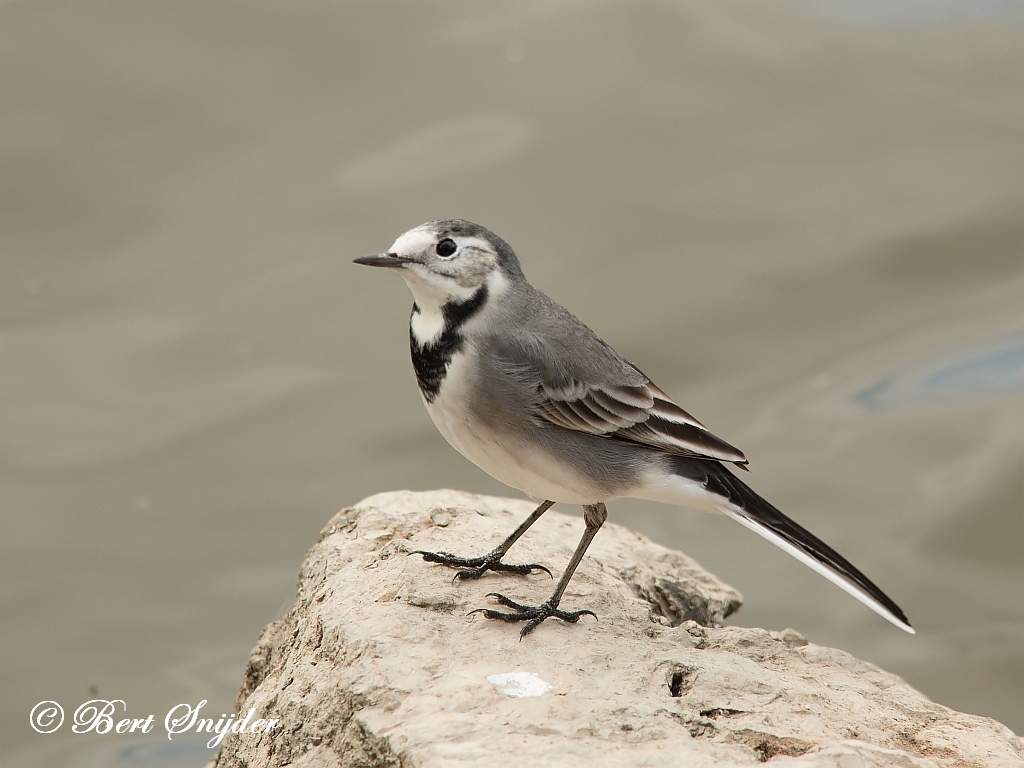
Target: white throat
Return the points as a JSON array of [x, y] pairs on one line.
[[427, 325], [431, 292]]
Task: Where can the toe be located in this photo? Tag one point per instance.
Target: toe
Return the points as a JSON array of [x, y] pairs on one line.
[[509, 603], [530, 626]]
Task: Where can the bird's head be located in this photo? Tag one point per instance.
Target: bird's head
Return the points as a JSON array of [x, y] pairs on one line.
[[449, 260]]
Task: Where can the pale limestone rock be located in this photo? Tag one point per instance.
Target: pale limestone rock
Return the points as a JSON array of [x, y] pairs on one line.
[[378, 664]]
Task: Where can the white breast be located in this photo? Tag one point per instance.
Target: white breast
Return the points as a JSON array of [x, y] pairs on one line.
[[512, 463]]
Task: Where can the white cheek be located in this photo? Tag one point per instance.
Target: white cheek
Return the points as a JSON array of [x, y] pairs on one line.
[[496, 283], [431, 291]]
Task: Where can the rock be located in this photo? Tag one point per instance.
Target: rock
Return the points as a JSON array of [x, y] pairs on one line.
[[378, 663]]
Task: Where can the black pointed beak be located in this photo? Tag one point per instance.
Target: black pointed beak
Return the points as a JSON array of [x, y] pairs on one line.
[[384, 260]]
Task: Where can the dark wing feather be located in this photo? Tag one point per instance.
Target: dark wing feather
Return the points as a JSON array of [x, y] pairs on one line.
[[641, 414]]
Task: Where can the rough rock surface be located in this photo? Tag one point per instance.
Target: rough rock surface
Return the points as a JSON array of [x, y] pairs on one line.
[[378, 663]]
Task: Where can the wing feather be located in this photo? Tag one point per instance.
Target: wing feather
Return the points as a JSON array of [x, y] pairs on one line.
[[665, 409], [644, 415], [581, 408], [626, 412], [563, 416], [575, 381]]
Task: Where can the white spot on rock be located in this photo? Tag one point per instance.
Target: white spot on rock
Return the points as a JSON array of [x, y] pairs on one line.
[[519, 685]]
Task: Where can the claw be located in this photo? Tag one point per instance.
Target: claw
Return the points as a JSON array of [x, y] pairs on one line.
[[533, 615], [475, 567]]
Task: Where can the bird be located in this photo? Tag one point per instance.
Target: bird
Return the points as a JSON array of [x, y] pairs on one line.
[[530, 394]]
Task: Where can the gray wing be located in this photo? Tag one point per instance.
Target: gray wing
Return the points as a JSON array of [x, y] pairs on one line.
[[574, 380]]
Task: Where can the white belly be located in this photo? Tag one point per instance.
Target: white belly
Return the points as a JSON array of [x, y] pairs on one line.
[[516, 465]]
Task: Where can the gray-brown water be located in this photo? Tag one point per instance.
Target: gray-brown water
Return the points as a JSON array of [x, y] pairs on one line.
[[803, 221]]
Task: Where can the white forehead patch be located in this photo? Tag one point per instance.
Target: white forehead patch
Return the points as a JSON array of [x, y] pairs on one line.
[[413, 241], [421, 237]]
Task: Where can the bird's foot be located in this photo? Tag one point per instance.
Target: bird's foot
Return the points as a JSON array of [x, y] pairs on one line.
[[533, 615], [475, 567]]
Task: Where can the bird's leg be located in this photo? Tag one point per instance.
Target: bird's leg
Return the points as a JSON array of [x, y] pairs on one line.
[[594, 516], [475, 567]]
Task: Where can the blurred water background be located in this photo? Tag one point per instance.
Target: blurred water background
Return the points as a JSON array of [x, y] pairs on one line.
[[803, 220]]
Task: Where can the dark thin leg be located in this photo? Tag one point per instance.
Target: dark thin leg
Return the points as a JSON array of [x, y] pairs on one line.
[[594, 516], [475, 567]]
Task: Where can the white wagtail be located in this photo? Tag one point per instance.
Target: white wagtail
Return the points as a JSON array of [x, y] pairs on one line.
[[527, 392]]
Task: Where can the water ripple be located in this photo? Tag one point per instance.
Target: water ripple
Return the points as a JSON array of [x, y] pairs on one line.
[[996, 370]]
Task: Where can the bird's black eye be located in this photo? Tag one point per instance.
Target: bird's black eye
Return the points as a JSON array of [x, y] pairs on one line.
[[446, 247]]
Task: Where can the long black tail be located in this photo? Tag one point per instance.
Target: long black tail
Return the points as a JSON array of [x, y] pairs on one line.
[[737, 500]]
